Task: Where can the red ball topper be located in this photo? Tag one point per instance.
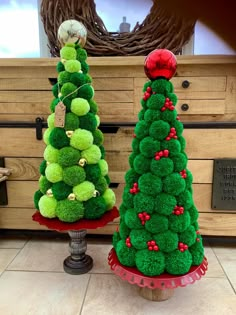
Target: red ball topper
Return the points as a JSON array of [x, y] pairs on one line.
[[160, 63]]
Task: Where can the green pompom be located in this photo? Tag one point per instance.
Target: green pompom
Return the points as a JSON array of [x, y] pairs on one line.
[[162, 86], [98, 137], [80, 106], [162, 167], [178, 263], [179, 127], [103, 167], [44, 184], [173, 98], [86, 91], [128, 198], [122, 210], [150, 263], [144, 104], [94, 208], [81, 54], [88, 122], [42, 167], [61, 190], [98, 120], [149, 146], [88, 78], [64, 77], [81, 139], [93, 107], [110, 198], [156, 101], [68, 53], [69, 90], [123, 229], [132, 220], [169, 116], [131, 177], [60, 67], [71, 121], [84, 191], [165, 204], [54, 172], [101, 185], [131, 159], [58, 138], [151, 115], [174, 184], [185, 199], [108, 180], [68, 156], [126, 255], [69, 210], [159, 130], [55, 90], [139, 238], [180, 162], [51, 154], [172, 145], [197, 252], [146, 85], [167, 241], [72, 66], [188, 236], [103, 152], [182, 142], [193, 214], [53, 104], [77, 78], [141, 114], [141, 164], [93, 172], [84, 67], [67, 103], [74, 175], [47, 207], [37, 195], [135, 145], [179, 223], [51, 120], [157, 223], [150, 184], [92, 155], [141, 129], [189, 179], [143, 202], [115, 239]]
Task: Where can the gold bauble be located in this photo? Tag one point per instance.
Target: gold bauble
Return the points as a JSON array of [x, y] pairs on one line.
[[69, 133], [72, 31], [49, 193], [71, 197], [82, 162]]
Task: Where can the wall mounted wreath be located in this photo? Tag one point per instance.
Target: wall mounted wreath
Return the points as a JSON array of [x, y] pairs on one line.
[[158, 30]]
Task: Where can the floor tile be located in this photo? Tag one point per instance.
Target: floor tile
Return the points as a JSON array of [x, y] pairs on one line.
[[41, 293], [226, 251], [48, 255], [12, 242], [114, 296], [6, 256], [214, 267]]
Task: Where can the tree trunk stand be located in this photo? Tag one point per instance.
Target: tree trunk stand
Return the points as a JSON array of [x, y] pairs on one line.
[[157, 294], [78, 263]]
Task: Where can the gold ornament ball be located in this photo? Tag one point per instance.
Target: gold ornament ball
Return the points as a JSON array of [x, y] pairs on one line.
[[71, 31]]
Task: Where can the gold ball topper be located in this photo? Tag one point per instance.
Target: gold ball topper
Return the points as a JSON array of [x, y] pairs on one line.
[[71, 31]]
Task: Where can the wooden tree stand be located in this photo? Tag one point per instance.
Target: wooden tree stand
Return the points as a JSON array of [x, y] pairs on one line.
[[78, 262], [159, 288]]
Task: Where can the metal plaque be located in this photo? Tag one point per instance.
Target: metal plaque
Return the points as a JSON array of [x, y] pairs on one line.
[[224, 184]]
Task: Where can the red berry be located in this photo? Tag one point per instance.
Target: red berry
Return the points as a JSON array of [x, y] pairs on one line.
[[198, 239], [185, 246], [135, 184], [129, 245], [181, 244], [155, 247], [140, 215], [147, 217], [157, 157], [143, 222], [167, 99], [149, 89], [166, 152], [177, 212], [149, 243], [167, 138], [181, 249], [175, 137], [153, 243], [161, 153], [150, 248], [177, 118], [172, 107], [163, 109]]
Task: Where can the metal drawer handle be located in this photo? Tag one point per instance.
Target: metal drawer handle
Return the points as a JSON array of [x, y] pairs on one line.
[[184, 107], [185, 84]]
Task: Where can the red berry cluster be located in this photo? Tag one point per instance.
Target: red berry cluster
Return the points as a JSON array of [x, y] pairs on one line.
[[177, 118], [183, 173], [182, 247], [172, 134], [178, 210], [134, 189], [168, 105], [152, 246], [147, 94], [164, 153], [198, 233], [143, 216], [127, 242]]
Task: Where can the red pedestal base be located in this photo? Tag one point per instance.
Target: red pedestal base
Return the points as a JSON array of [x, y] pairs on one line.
[[159, 283], [57, 225]]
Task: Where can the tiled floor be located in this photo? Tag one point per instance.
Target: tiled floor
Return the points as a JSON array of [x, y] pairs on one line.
[[32, 282]]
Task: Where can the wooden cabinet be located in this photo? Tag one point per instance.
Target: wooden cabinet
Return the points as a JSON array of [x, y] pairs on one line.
[[206, 90]]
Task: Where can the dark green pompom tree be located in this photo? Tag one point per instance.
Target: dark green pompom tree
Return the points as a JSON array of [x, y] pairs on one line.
[[74, 182], [158, 230]]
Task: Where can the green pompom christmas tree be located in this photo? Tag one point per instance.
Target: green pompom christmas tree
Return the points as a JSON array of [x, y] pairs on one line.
[[158, 231], [74, 182]]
